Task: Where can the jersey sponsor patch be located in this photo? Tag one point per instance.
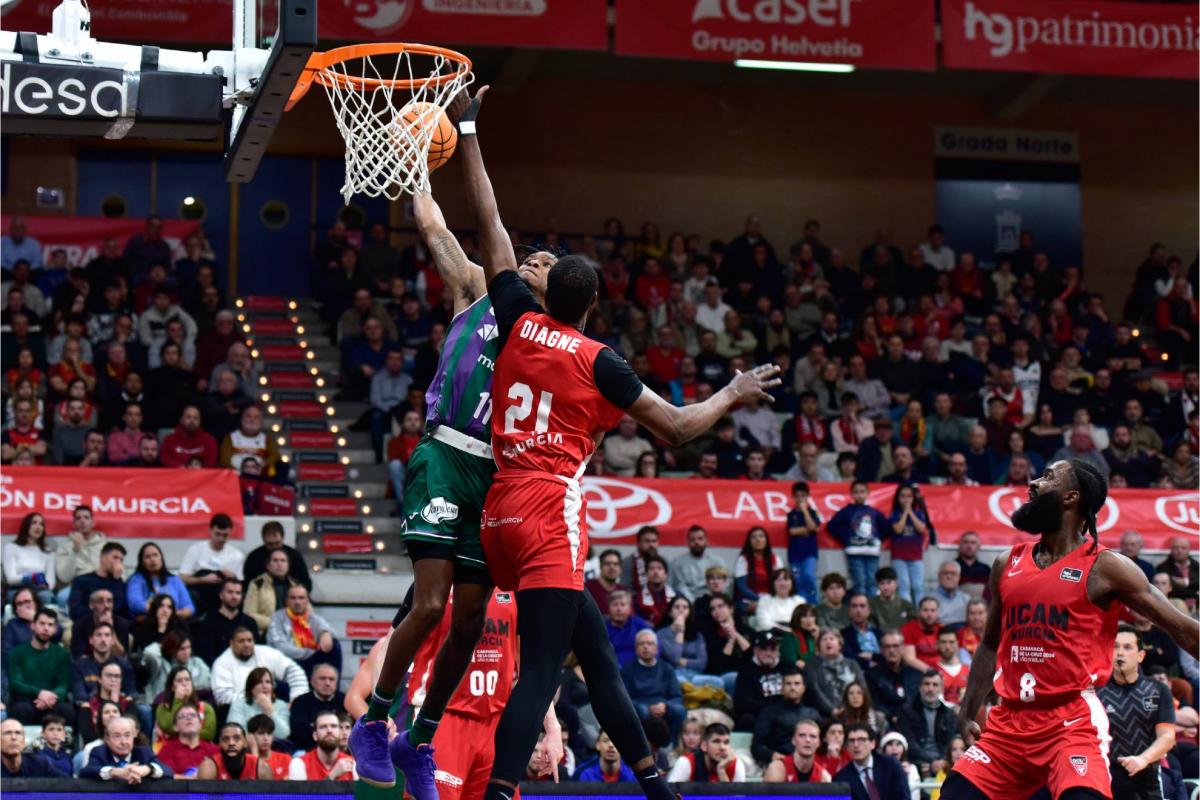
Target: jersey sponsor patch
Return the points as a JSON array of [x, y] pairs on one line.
[[439, 510], [1080, 763], [487, 331], [503, 597], [973, 753], [441, 776], [1071, 574]]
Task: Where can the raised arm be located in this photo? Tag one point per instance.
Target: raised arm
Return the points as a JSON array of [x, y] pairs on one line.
[[1119, 579], [498, 252], [464, 278], [983, 663], [677, 425]]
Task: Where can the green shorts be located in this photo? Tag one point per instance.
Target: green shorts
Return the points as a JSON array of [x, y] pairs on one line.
[[444, 490]]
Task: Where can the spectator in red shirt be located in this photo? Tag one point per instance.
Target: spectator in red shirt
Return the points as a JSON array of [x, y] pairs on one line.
[[652, 287], [186, 751], [400, 449], [23, 435], [325, 762], [666, 356], [921, 636], [72, 366], [233, 762], [261, 733], [189, 440], [652, 601]]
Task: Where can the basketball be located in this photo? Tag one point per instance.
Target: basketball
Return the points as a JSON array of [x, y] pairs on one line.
[[418, 119]]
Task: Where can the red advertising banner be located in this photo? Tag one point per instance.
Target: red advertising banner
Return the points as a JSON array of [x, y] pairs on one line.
[[149, 21], [1144, 40], [895, 34], [573, 24], [141, 503], [82, 237], [617, 507]]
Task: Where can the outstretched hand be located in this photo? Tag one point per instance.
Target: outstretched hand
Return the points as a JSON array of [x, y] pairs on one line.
[[753, 384], [463, 101], [969, 729]]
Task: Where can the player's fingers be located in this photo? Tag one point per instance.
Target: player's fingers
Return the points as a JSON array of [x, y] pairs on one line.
[[772, 382], [481, 91]]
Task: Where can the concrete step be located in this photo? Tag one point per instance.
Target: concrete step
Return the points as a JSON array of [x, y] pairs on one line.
[[361, 455], [385, 588], [361, 490], [376, 523]]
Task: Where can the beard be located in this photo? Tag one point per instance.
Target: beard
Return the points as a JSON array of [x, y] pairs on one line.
[[1042, 514], [234, 764], [328, 744]]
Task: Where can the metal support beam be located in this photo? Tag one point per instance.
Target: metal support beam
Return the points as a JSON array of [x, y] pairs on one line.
[[1011, 106]]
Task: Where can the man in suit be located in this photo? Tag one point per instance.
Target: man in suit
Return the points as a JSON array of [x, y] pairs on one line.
[[870, 775], [120, 761]]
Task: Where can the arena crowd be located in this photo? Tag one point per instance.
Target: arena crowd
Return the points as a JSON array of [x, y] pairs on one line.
[[903, 367]]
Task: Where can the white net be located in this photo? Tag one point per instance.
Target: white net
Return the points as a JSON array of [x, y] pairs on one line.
[[389, 110]]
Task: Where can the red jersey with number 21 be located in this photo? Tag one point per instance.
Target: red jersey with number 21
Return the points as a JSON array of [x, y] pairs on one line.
[[547, 409], [1054, 642]]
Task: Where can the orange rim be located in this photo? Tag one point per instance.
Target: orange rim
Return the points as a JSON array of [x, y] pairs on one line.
[[315, 70]]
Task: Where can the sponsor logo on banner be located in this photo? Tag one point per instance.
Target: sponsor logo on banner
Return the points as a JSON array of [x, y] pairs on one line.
[[83, 237], [896, 33], [578, 24], [126, 501], [617, 507], [1003, 502], [54, 90], [1002, 144], [1071, 36], [1180, 512], [367, 629]]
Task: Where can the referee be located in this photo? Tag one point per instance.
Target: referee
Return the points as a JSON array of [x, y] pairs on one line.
[[1141, 718]]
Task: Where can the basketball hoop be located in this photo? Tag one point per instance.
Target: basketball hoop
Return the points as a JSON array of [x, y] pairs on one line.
[[387, 99]]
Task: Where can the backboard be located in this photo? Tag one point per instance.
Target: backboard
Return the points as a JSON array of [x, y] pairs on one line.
[[72, 83]]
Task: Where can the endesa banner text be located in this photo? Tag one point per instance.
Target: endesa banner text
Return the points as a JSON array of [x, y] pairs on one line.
[[897, 34], [617, 507], [139, 503], [1141, 40]]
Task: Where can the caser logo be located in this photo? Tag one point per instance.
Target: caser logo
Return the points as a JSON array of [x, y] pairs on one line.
[[616, 508], [824, 13], [380, 15], [1003, 502], [23, 91]]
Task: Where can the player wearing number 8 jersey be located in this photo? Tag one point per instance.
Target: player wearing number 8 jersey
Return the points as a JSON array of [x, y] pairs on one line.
[[1047, 647], [556, 392], [447, 479]]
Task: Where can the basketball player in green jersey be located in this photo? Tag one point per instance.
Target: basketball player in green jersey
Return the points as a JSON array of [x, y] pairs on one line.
[[447, 480]]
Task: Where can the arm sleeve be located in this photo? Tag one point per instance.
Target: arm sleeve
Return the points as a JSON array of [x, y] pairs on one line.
[[137, 594], [615, 379], [510, 299]]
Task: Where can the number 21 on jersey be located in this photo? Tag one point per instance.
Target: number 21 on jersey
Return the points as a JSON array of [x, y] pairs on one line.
[[523, 405]]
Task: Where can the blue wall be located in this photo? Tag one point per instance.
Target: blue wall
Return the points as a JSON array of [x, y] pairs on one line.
[[270, 261]]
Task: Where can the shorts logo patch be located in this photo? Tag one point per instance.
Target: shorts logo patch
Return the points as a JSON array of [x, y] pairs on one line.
[[1080, 763], [441, 776], [439, 510], [1071, 574], [503, 597], [975, 754]]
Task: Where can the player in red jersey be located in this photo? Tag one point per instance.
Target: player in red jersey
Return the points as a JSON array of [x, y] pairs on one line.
[[555, 394], [1048, 644], [465, 736]]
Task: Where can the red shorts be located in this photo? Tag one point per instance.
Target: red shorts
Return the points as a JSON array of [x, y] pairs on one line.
[[1022, 750], [534, 532], [464, 749]]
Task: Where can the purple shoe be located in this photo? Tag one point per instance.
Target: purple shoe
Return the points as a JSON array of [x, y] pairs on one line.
[[417, 765], [369, 746]]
